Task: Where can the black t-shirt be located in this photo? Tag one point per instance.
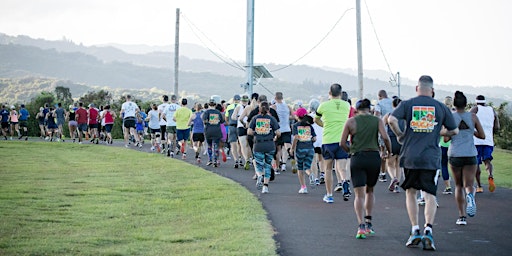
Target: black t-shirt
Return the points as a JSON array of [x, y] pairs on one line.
[[256, 111], [212, 119], [264, 127]]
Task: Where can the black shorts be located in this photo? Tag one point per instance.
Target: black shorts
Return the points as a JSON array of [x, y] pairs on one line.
[[420, 179], [395, 146], [129, 122], [93, 126], [198, 137], [155, 131], [365, 168], [23, 123], [462, 161], [5, 125], [286, 137], [241, 131], [163, 128], [318, 150]]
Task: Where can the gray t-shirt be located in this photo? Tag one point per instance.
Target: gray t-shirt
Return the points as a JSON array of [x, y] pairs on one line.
[[264, 127], [424, 118], [304, 133], [212, 119], [59, 112], [384, 106], [462, 144]]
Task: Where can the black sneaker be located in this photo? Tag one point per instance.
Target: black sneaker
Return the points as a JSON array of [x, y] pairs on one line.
[[338, 187]]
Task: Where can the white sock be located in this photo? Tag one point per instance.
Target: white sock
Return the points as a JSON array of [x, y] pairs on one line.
[[414, 228]]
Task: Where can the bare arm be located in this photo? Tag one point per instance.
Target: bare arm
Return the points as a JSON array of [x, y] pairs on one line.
[[497, 126], [347, 130], [384, 135], [318, 121], [393, 124]]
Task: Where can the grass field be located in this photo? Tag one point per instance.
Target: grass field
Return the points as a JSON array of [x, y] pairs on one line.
[[502, 163], [69, 199]]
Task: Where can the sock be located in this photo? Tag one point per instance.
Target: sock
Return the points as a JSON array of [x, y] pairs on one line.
[[414, 228], [368, 218], [428, 227]]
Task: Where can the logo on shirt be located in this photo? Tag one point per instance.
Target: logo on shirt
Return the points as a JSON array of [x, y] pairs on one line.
[[423, 118], [304, 133], [262, 126], [213, 119]]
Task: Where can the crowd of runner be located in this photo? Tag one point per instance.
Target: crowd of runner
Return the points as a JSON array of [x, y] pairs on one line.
[[360, 143]]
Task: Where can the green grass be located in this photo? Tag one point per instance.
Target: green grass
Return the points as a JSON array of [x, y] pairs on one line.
[[502, 163], [69, 199]]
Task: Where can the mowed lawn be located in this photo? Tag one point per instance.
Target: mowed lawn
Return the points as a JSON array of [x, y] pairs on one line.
[[70, 199]]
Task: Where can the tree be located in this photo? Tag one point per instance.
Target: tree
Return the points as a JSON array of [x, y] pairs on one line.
[[63, 95], [100, 98], [504, 135]]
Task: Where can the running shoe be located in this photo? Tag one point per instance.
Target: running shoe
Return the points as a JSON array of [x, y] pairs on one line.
[[461, 221], [369, 228], [322, 178], [361, 232], [317, 182], [328, 199], [247, 165], [492, 187], [392, 185], [283, 167], [303, 191], [184, 156], [470, 205], [428, 241], [338, 187], [210, 163], [479, 190], [346, 190], [259, 182], [382, 177], [276, 171], [397, 189], [171, 154], [264, 190], [447, 191], [236, 164], [421, 201], [312, 179], [414, 239], [152, 148], [198, 160]]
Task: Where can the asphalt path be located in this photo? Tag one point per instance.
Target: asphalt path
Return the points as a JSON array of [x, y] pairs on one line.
[[305, 225]]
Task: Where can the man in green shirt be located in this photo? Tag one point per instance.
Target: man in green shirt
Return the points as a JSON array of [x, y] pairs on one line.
[[332, 115], [182, 117]]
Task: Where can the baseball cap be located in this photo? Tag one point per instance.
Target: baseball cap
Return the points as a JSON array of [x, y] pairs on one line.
[[301, 112], [212, 101], [236, 97], [245, 98], [173, 97]]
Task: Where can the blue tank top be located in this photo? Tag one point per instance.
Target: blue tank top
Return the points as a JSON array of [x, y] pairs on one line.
[[198, 125]]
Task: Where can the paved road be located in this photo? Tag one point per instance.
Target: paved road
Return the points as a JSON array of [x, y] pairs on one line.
[[305, 225]]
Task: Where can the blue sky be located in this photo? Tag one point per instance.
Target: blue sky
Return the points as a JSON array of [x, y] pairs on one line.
[[456, 42]]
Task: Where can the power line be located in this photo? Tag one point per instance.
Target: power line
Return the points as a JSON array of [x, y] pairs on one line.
[[316, 45], [380, 45], [192, 26]]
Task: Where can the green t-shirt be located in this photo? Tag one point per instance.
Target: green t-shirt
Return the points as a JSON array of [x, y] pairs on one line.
[[444, 144], [182, 116], [334, 113]]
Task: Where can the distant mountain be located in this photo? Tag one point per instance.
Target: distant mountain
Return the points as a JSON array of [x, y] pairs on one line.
[[143, 67]]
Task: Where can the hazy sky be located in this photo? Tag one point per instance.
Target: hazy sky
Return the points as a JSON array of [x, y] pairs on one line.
[[456, 42]]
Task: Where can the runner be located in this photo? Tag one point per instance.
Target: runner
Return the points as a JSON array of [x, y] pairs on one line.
[[163, 123], [52, 126], [332, 115], [5, 121], [318, 166], [462, 156], [40, 116], [241, 117], [424, 117], [168, 115], [182, 118], [383, 107], [302, 148], [491, 124], [284, 113], [448, 101], [93, 115], [197, 131], [224, 132], [109, 116], [232, 130], [81, 119], [128, 111], [153, 120], [72, 124], [265, 130], [61, 119], [364, 130], [393, 159], [212, 118], [24, 115], [14, 120]]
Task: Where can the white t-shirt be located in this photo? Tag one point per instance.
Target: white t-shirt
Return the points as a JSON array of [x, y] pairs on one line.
[[130, 108], [169, 113], [153, 119], [161, 108]]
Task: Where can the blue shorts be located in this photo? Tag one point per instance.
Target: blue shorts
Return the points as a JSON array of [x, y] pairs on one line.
[[484, 153], [304, 158], [182, 134], [333, 151]]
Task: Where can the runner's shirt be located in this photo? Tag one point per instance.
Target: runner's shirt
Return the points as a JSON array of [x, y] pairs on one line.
[[130, 109], [486, 116], [5, 115], [82, 116], [424, 118], [153, 123], [334, 114], [182, 116], [24, 114], [161, 109], [304, 132], [212, 119], [264, 127], [93, 116], [197, 123], [169, 113], [283, 112]]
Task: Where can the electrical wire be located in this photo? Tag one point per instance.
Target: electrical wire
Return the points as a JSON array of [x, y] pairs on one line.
[[192, 26], [393, 78], [316, 45]]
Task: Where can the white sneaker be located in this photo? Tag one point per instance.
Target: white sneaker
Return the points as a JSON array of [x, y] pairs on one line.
[[264, 190], [303, 191], [153, 148]]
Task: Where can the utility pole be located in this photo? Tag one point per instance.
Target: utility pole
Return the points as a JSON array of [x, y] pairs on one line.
[[249, 59], [176, 51], [398, 82], [359, 50]]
